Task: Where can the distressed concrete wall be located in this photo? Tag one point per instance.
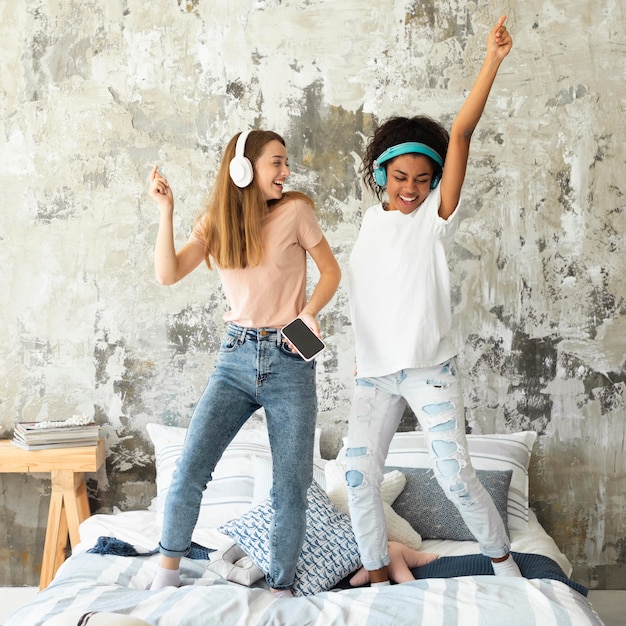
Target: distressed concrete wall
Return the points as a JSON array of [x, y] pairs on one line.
[[93, 93]]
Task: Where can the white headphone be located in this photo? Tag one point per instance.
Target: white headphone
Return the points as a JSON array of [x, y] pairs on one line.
[[241, 171]]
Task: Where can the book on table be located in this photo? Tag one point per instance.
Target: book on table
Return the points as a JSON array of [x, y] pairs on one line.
[[70, 433]]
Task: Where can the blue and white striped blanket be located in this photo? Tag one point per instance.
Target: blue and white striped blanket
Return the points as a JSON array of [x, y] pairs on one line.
[[117, 584]]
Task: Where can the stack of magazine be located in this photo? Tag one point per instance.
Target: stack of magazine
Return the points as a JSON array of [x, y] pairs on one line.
[[78, 430]]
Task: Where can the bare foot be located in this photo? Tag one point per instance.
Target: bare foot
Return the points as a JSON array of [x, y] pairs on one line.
[[362, 577], [401, 560]]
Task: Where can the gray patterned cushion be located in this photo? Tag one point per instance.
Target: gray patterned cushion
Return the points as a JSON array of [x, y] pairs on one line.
[[329, 552], [425, 506], [501, 452]]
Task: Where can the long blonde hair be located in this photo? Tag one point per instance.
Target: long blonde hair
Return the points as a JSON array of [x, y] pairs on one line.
[[233, 218]]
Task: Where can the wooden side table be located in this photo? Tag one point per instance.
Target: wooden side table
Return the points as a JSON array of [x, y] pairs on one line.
[[69, 505]]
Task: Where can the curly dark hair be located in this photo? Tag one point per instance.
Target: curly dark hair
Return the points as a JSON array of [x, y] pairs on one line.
[[396, 130]]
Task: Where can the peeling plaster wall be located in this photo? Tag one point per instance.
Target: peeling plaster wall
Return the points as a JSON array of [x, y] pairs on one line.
[[94, 93]]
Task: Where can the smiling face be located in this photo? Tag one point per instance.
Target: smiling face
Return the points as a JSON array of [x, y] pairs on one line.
[[271, 170], [408, 182]]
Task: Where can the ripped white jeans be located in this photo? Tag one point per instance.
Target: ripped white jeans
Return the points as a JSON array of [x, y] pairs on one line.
[[434, 394]]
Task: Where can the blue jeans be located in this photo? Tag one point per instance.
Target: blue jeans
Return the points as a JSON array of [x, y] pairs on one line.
[[255, 369], [434, 395]]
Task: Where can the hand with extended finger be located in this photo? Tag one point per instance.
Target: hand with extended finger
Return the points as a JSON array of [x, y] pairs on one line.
[[159, 190], [499, 42]]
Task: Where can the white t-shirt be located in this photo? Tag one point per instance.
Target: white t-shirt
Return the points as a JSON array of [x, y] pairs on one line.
[[399, 285]]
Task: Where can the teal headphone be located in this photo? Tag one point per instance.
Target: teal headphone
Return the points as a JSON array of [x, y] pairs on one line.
[[411, 147]]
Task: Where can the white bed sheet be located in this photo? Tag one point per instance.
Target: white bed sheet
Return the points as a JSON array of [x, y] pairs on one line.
[[141, 530], [115, 587], [534, 541]]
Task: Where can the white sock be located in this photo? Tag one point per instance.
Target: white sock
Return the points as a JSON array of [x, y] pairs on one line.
[[382, 583], [282, 593], [165, 578], [507, 567]]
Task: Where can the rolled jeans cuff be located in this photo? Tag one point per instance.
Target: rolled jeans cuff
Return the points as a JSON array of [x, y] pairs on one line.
[[175, 554]]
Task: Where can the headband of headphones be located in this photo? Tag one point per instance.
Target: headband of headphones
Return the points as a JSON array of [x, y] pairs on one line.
[[410, 147]]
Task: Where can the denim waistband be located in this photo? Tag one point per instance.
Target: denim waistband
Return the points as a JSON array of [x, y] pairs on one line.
[[254, 334]]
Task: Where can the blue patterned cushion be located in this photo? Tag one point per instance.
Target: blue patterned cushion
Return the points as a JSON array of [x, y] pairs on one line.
[[329, 552], [425, 506]]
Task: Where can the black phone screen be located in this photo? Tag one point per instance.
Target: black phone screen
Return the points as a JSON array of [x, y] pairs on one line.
[[303, 339]]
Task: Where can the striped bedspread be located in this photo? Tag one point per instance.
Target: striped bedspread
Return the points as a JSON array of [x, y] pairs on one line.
[[117, 584]]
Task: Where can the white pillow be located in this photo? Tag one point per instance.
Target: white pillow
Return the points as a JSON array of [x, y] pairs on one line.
[[231, 491], [398, 529], [488, 452], [229, 494]]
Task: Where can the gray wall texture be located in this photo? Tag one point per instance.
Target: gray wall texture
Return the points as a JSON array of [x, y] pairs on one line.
[[94, 92]]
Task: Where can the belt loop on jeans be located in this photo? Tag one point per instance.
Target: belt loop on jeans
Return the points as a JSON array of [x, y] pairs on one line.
[[242, 334]]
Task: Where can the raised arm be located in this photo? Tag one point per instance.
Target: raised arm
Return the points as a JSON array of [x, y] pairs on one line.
[[330, 275], [169, 266], [499, 44]]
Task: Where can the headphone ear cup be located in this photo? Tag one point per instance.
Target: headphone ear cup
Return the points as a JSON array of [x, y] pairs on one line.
[[436, 179], [241, 171], [240, 167], [380, 176]]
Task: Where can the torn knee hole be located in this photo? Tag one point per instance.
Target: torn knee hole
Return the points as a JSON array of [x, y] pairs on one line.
[[459, 490], [444, 448], [448, 467], [436, 409], [437, 384], [354, 478], [447, 425], [448, 368], [352, 452]]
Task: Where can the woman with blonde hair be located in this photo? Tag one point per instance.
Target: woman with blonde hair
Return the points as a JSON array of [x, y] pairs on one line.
[[257, 236]]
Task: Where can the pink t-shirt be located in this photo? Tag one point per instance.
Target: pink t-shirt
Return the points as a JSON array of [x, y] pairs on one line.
[[272, 293]]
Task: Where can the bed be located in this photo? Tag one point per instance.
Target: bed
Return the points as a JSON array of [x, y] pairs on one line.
[[106, 579]]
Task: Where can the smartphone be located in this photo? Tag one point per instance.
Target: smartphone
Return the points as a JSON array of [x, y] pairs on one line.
[[307, 344]]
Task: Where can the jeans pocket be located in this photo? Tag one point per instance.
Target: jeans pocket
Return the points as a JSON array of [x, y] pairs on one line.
[[285, 349], [229, 344]]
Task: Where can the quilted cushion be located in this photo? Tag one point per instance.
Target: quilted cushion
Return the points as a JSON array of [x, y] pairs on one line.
[[329, 552], [425, 506], [488, 452]]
